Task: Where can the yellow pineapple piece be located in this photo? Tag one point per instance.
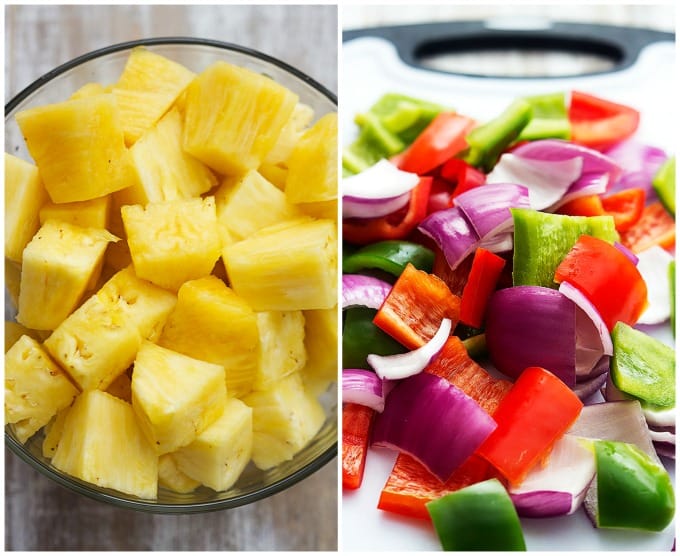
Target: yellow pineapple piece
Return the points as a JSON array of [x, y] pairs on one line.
[[13, 281], [24, 195], [234, 116], [86, 214], [290, 134], [170, 476], [14, 331], [53, 431], [211, 323], [321, 345], [174, 396], [59, 263], [313, 164], [89, 90], [322, 209], [78, 147], [164, 171], [274, 174], [221, 452], [285, 419], [99, 340], [248, 203], [173, 242], [35, 388], [121, 388], [103, 444], [286, 267], [282, 346], [148, 86]]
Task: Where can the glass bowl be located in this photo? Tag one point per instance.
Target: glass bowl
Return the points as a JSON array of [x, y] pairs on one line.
[[104, 66]]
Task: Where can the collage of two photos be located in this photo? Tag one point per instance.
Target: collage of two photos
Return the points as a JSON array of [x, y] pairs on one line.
[[391, 278]]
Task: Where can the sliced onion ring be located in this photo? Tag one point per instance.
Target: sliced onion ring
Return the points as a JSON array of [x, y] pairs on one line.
[[363, 387], [487, 207], [366, 291], [453, 234], [357, 207], [589, 309], [383, 180]]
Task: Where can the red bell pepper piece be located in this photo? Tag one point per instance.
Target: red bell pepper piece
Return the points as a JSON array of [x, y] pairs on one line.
[[441, 195], [535, 413], [413, 310], [443, 138], [654, 227], [588, 205], [356, 428], [598, 123], [484, 274], [625, 206], [462, 174], [397, 225], [608, 279]]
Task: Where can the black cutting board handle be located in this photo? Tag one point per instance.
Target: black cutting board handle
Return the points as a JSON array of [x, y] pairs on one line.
[[621, 45]]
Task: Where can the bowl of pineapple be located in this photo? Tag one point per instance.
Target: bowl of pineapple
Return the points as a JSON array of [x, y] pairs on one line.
[[171, 275]]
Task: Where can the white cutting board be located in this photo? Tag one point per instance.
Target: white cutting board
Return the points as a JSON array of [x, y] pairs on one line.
[[372, 67]]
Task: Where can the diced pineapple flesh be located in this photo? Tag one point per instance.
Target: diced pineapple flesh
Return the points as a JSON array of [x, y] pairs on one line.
[[211, 323], [103, 444], [53, 431], [170, 476], [174, 396], [286, 267], [321, 346], [290, 134], [35, 388], [282, 346], [86, 214]]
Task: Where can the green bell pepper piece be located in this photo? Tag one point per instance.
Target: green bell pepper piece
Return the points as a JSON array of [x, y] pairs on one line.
[[633, 491], [374, 143], [488, 141], [478, 517], [476, 346], [543, 239], [361, 337], [664, 184], [390, 255], [642, 366], [549, 120]]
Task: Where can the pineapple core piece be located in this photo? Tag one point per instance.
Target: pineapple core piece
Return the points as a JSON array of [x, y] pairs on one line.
[[86, 214], [285, 419], [100, 339], [248, 203], [173, 242], [78, 147], [58, 264], [282, 346], [321, 345], [174, 396], [313, 164], [221, 452], [148, 86], [234, 116], [103, 444], [35, 388], [286, 267], [211, 323], [24, 195]]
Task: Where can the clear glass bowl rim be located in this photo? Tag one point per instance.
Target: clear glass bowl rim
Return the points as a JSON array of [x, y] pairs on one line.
[[80, 487]]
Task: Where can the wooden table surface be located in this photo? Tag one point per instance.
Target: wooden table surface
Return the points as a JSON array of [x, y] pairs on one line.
[[41, 515]]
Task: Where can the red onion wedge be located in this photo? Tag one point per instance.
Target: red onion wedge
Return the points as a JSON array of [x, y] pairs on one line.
[[653, 266], [366, 291], [363, 387], [559, 487], [570, 292], [402, 365], [487, 207], [428, 418], [377, 191], [584, 389], [453, 234], [639, 163], [547, 181]]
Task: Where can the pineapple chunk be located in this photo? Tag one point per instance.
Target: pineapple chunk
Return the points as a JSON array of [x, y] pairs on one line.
[[58, 264], [164, 171], [212, 323], [173, 242], [35, 388], [53, 431], [285, 419], [24, 195], [12, 282], [121, 388], [234, 116], [14, 331], [148, 86], [78, 147], [290, 134], [313, 164], [169, 476], [100, 339], [322, 209], [89, 90], [321, 345], [103, 444], [248, 203], [282, 346], [275, 174], [174, 396], [86, 214], [221, 452], [286, 267]]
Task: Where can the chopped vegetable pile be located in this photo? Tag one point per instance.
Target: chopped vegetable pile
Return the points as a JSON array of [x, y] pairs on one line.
[[499, 283]]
